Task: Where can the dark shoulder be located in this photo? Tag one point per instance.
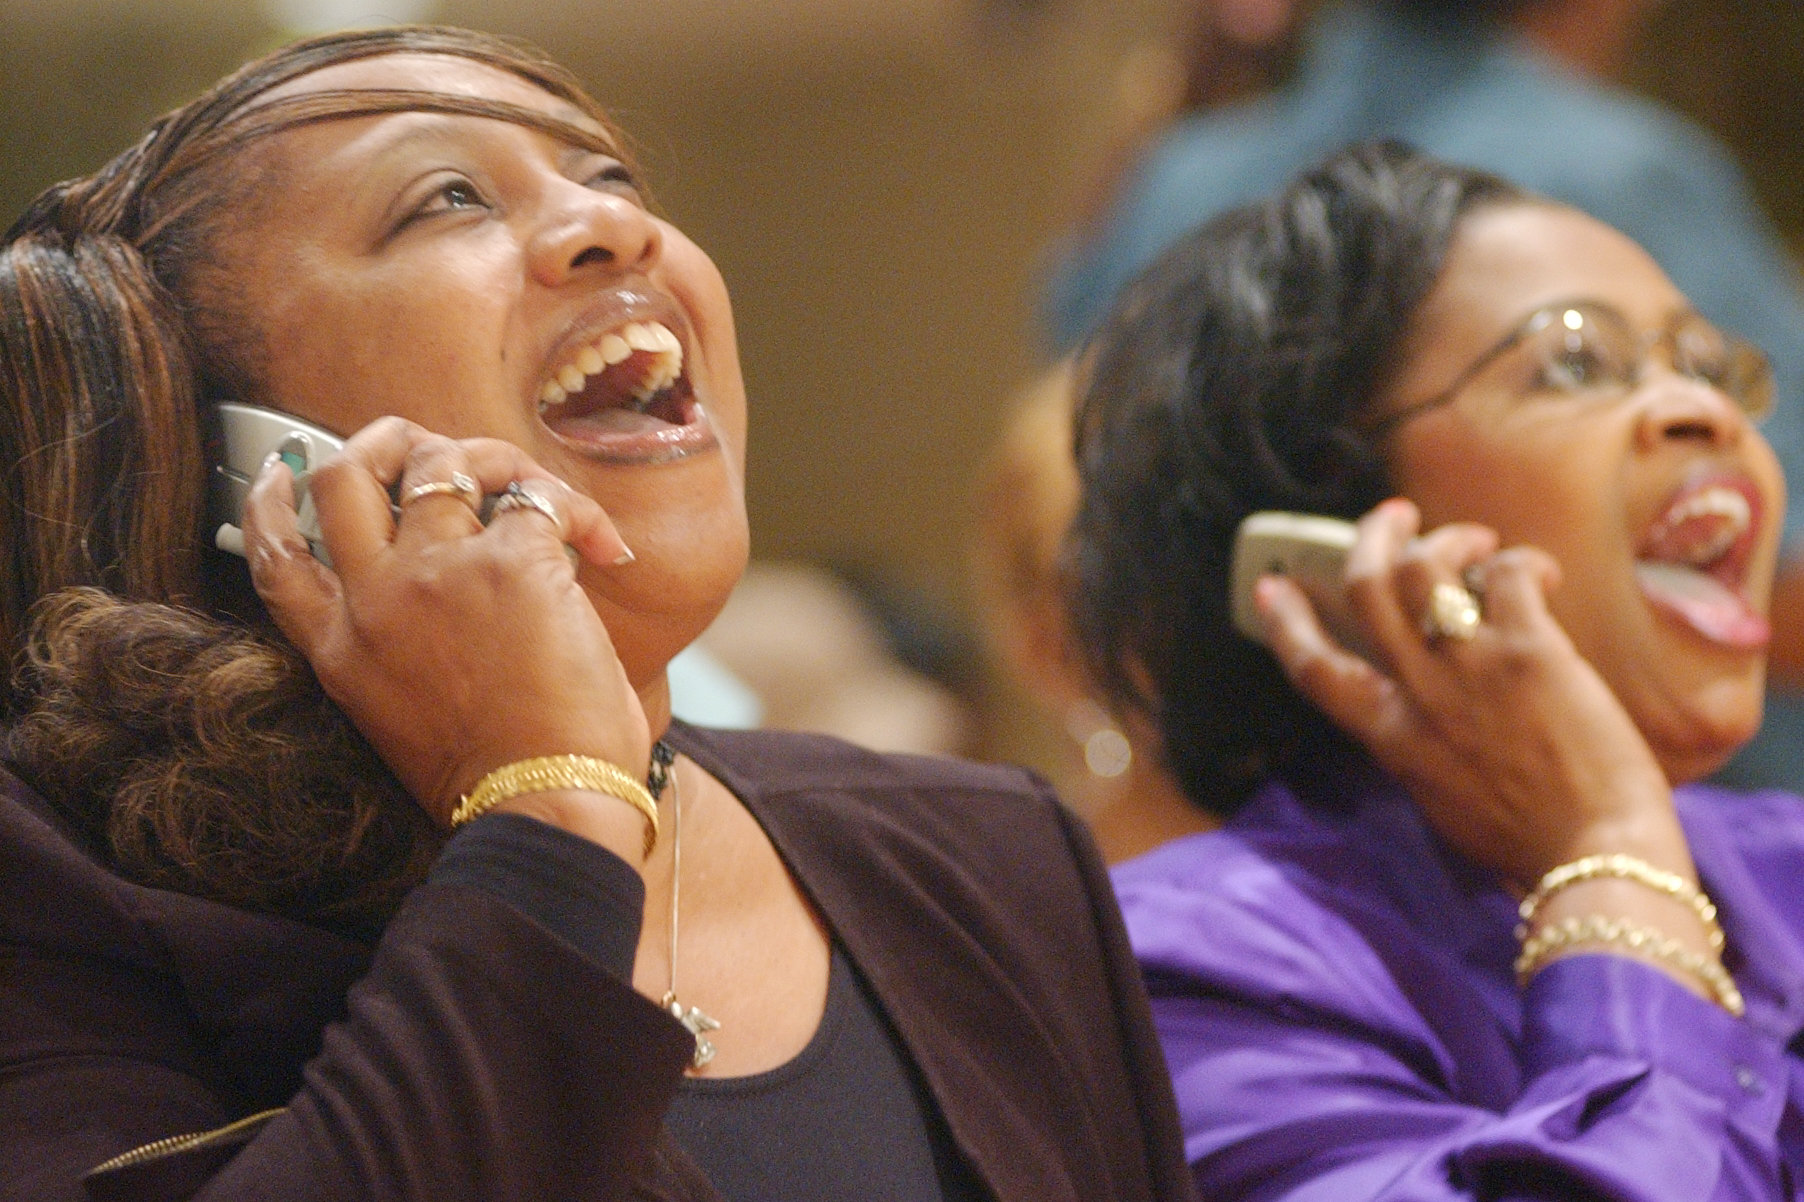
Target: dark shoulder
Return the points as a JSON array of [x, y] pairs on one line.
[[63, 901], [995, 836], [775, 764], [58, 892]]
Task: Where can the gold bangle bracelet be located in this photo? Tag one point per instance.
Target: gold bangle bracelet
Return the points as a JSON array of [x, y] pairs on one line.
[[1627, 868], [1545, 943], [550, 772]]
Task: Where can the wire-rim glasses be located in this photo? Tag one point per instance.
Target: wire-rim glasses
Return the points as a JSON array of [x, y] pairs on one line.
[[1588, 348]]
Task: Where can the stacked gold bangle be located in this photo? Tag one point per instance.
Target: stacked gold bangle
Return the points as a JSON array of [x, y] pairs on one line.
[[1538, 948], [1543, 944], [1628, 868], [551, 772]]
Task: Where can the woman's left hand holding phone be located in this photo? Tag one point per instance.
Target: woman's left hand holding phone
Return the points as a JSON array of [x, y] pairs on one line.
[[455, 648]]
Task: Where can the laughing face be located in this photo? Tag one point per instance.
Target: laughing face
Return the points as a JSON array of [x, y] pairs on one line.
[[1659, 498], [484, 278]]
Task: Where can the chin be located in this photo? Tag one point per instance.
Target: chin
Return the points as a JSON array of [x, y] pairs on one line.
[[660, 603], [1709, 727]]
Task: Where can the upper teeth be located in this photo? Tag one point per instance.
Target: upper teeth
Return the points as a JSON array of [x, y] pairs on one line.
[[651, 337], [1727, 503]]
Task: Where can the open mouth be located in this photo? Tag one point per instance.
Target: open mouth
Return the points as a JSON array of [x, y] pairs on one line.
[[1693, 563], [626, 397]]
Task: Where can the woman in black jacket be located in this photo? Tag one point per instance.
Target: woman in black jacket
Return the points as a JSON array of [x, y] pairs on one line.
[[244, 953]]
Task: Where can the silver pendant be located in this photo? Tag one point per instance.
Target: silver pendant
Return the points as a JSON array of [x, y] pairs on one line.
[[697, 1025]]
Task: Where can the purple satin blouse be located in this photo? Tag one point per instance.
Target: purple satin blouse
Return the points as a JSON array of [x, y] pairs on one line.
[[1335, 998]]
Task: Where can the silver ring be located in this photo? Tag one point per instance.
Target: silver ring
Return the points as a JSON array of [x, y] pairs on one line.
[[459, 485], [514, 496], [1453, 613]]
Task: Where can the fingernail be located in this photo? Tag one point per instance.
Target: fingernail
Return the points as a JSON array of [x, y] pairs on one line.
[[625, 557], [270, 460]]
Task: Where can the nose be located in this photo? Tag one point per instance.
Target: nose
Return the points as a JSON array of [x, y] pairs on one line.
[[584, 230], [1676, 408]]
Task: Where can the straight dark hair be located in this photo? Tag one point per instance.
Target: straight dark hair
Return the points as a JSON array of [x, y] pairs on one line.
[[1229, 379]]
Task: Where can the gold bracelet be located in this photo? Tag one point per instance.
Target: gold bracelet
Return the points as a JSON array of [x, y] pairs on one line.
[[549, 772], [1627, 868], [1540, 947]]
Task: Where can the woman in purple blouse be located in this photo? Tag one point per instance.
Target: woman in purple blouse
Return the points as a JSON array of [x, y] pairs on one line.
[[1350, 1001]]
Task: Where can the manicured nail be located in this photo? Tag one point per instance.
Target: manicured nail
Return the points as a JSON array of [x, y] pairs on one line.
[[1267, 591], [270, 460], [625, 557]]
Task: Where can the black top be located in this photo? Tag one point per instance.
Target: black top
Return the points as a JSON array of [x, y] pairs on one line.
[[846, 1120]]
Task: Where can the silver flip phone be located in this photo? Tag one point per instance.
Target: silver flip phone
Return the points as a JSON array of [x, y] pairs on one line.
[[1311, 550], [248, 434]]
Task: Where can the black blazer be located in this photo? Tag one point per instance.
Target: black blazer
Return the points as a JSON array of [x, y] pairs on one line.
[[473, 1054]]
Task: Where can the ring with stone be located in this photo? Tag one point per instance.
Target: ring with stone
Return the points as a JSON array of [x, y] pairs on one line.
[[1453, 613], [461, 486], [516, 496]]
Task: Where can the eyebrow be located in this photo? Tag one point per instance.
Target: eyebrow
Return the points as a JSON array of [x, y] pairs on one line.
[[439, 126], [379, 167]]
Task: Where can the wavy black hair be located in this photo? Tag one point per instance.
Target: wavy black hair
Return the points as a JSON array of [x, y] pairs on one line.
[[1229, 379]]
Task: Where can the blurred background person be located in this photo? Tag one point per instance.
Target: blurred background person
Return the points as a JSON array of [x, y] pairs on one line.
[[1108, 767], [1522, 88], [818, 656], [1215, 52]]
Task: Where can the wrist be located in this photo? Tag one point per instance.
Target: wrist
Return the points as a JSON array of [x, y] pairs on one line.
[[1654, 838]]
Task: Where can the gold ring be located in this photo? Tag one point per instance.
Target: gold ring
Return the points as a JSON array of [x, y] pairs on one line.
[[1453, 613], [517, 497], [459, 485]]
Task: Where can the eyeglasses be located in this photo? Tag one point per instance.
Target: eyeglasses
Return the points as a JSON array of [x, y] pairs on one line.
[[1587, 349]]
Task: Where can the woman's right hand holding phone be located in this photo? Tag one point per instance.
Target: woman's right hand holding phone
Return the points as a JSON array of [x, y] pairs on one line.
[[454, 647], [1515, 749]]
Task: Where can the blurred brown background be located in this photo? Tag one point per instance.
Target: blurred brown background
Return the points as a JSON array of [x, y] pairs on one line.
[[876, 178]]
